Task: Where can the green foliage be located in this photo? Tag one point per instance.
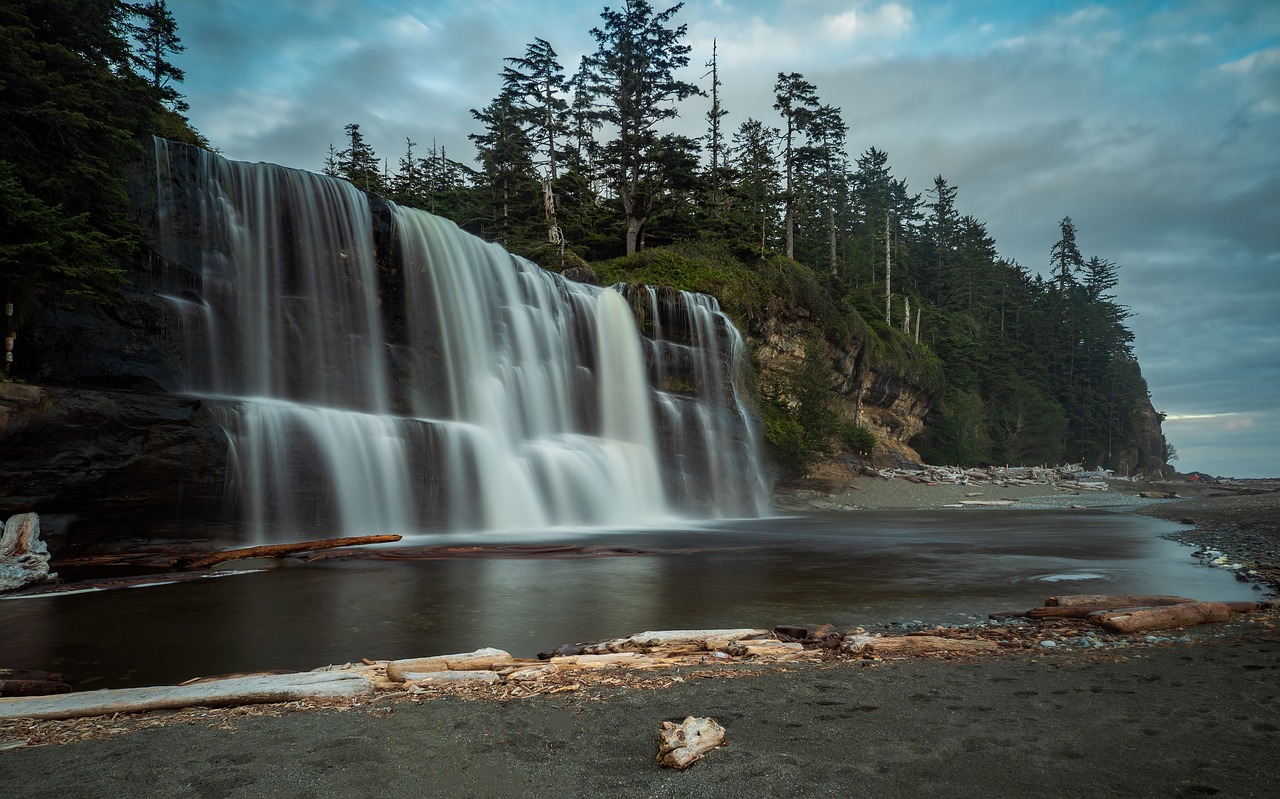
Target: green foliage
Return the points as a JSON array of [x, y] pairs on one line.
[[960, 436], [701, 265], [800, 415], [859, 440]]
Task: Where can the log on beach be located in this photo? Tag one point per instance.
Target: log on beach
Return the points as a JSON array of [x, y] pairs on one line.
[[280, 550], [216, 693], [1170, 617], [1114, 601], [914, 645]]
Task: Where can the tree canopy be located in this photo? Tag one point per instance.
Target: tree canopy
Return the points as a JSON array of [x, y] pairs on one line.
[[75, 98]]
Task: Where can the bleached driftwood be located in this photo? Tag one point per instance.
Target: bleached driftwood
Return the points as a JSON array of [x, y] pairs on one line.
[[280, 550], [442, 677], [623, 659], [480, 660], [1170, 617], [673, 639], [913, 644], [215, 693], [681, 745], [24, 558]]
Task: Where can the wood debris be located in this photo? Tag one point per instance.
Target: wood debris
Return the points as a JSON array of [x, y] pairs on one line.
[[681, 745], [1069, 477]]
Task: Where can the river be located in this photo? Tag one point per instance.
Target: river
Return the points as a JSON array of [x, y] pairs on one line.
[[866, 568]]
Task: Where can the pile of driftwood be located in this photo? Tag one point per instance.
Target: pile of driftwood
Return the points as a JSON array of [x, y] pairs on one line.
[[1135, 614], [1071, 477], [496, 673]]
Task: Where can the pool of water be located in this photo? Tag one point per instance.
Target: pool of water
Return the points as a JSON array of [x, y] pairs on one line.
[[863, 568]]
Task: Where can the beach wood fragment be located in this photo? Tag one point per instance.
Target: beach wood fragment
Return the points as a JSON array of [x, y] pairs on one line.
[[914, 644], [480, 660], [216, 693], [1114, 601], [441, 677], [18, 687], [681, 745], [1170, 617], [280, 550]]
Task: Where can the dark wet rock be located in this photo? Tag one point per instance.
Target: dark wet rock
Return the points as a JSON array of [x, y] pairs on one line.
[[111, 464]]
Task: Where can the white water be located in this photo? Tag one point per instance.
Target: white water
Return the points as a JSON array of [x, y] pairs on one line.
[[379, 370]]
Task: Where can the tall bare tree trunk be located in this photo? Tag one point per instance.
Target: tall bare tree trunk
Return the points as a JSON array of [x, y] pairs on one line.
[[888, 283]]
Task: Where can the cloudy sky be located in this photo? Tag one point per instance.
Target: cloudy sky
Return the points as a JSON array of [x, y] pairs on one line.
[[1154, 125]]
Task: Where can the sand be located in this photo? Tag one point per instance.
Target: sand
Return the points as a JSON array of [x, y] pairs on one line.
[[1165, 719]]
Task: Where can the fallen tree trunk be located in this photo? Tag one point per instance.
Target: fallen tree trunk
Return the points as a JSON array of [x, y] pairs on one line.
[[1114, 601], [12, 687], [1171, 617], [480, 660], [913, 644], [279, 550], [217, 693]]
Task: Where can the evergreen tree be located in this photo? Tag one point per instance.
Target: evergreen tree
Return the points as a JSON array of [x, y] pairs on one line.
[[358, 163], [632, 79], [156, 35], [510, 208], [797, 100], [71, 114], [537, 84], [757, 193], [718, 174]]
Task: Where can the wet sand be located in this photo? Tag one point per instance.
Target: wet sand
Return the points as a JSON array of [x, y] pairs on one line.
[[1172, 721], [1168, 720]]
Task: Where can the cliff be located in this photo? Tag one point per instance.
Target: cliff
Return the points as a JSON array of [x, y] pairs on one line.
[[870, 391]]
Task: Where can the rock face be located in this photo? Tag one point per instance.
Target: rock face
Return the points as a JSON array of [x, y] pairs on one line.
[[871, 395], [109, 463], [1150, 457]]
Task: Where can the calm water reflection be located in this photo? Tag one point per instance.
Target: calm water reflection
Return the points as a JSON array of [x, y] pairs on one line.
[[847, 569]]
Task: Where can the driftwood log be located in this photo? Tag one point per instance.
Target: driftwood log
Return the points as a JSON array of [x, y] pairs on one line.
[[681, 745], [216, 693], [1114, 601], [480, 660], [1170, 617], [914, 644], [280, 550]]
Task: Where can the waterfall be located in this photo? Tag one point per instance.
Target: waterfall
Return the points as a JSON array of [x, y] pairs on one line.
[[376, 369]]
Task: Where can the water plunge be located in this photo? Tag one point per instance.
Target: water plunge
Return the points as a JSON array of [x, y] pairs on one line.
[[378, 370]]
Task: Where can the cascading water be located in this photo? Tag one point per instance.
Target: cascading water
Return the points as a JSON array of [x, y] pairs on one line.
[[378, 370]]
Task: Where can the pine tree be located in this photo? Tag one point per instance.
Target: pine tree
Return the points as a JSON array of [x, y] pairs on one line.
[[717, 175], [71, 114], [632, 80], [537, 84], [510, 186], [797, 100], [358, 163], [757, 192], [156, 35]]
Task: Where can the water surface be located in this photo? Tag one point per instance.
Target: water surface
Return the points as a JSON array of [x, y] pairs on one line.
[[847, 569]]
